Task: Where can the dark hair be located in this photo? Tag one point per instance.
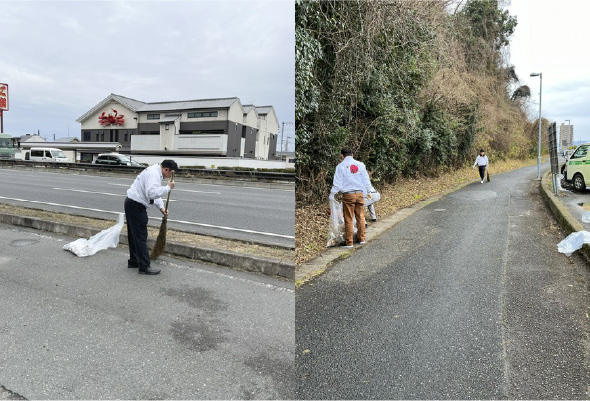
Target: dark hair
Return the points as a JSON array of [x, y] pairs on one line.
[[481, 150], [171, 164], [346, 152]]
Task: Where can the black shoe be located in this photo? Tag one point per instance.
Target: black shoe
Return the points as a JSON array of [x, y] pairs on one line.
[[373, 220], [149, 270], [132, 265]]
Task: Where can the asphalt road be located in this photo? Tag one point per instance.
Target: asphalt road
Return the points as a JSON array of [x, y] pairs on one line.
[[252, 214], [90, 328], [466, 299]]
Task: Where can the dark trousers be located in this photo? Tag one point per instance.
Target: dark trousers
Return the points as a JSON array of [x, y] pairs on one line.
[[482, 171], [137, 220]]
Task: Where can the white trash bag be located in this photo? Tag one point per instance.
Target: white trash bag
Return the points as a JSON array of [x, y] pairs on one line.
[[573, 242], [337, 232], [586, 217], [108, 238], [372, 197]]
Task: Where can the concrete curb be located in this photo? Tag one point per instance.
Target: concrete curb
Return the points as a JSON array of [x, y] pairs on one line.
[[318, 266], [567, 221], [233, 260]]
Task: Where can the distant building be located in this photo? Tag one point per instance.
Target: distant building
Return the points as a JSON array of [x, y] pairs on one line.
[[208, 127], [566, 136], [18, 140], [67, 139]]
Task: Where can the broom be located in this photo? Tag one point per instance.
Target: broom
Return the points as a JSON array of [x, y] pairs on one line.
[[488, 173], [161, 240]]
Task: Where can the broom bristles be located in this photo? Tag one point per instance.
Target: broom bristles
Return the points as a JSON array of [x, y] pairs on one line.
[[160, 241]]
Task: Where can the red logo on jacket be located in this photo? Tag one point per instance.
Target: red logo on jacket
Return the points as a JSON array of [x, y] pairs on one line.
[[354, 169]]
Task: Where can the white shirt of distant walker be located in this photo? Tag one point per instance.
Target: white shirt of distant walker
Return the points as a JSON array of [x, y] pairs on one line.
[[148, 185], [351, 175], [481, 160]]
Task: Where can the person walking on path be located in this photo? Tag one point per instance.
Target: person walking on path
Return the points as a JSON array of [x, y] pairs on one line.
[[145, 191], [352, 180], [482, 162]]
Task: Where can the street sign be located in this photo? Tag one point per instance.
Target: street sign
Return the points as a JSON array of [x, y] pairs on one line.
[[3, 97]]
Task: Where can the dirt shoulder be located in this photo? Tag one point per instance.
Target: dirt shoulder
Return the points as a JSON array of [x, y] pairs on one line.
[[311, 222], [172, 235]]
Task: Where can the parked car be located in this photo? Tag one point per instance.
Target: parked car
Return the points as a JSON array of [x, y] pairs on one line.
[[576, 170], [46, 155], [112, 159]]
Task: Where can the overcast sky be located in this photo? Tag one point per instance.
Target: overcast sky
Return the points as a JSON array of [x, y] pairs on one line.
[[552, 38], [61, 58]]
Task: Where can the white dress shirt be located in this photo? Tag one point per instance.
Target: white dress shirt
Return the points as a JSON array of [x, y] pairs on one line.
[[351, 175], [481, 161], [148, 186]]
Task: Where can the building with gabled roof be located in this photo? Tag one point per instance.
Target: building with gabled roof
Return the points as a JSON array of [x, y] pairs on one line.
[[209, 127]]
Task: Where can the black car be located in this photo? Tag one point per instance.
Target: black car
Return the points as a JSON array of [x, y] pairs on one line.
[[113, 159]]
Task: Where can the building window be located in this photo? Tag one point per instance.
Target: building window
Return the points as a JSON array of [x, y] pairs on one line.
[[202, 114], [87, 136], [153, 116]]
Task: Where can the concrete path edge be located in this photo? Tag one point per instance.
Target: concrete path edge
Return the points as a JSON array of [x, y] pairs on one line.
[[233, 260], [567, 221]]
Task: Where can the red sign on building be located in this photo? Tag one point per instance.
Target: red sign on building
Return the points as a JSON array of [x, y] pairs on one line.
[[4, 97]]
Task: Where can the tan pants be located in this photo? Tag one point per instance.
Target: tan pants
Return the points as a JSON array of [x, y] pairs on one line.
[[352, 205]]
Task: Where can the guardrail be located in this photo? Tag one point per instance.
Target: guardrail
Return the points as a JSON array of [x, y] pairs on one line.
[[184, 172]]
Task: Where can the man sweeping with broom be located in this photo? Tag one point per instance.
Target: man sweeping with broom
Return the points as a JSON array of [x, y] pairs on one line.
[[145, 191]]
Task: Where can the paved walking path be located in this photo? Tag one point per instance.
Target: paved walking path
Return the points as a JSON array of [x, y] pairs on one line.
[[467, 298]]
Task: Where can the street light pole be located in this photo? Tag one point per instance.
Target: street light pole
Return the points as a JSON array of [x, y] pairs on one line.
[[540, 75]]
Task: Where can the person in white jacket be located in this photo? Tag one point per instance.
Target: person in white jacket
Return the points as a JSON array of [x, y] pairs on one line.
[[352, 180], [483, 162]]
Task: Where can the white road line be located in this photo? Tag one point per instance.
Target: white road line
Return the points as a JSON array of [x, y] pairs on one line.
[[153, 218], [227, 228], [99, 193], [176, 189]]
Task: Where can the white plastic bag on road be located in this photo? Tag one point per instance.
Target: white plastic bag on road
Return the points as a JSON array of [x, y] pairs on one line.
[[586, 217], [573, 242], [108, 238]]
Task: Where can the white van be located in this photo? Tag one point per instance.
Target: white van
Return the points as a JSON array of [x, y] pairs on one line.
[[46, 155]]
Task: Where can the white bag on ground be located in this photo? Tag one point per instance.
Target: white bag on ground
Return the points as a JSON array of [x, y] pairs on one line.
[[586, 217], [108, 238], [573, 242], [337, 232]]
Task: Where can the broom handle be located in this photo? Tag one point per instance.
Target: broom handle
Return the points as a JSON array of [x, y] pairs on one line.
[[168, 198]]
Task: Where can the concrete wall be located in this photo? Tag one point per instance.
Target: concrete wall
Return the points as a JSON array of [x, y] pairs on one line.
[[251, 119], [272, 147], [234, 139], [213, 162], [197, 144], [268, 124], [236, 113], [250, 145]]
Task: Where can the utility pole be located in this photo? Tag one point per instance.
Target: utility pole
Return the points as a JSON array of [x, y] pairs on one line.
[[282, 132]]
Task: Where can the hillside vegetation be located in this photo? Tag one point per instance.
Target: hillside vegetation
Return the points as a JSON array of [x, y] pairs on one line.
[[414, 88]]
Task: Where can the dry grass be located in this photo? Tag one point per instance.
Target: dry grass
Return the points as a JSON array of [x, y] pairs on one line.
[[172, 235], [311, 222]]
